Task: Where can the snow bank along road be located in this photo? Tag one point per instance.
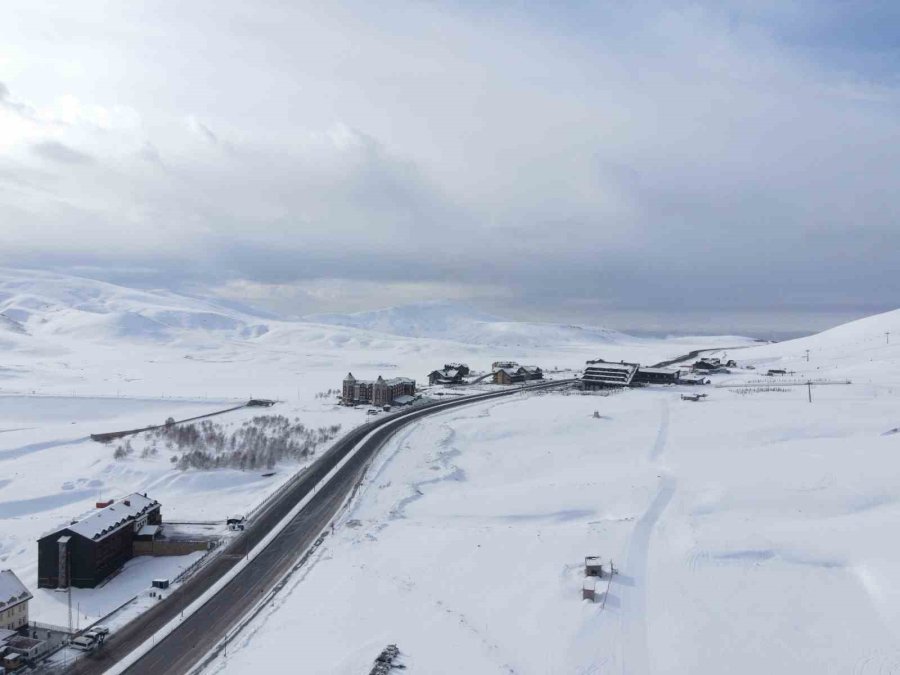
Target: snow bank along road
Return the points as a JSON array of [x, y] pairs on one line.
[[201, 631]]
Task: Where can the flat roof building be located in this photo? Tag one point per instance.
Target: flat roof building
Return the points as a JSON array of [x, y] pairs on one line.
[[599, 374], [656, 376]]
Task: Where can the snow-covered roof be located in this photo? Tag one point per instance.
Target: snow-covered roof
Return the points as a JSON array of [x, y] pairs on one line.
[[659, 371], [399, 380], [403, 400], [103, 521], [12, 591], [611, 366], [148, 531], [6, 634]]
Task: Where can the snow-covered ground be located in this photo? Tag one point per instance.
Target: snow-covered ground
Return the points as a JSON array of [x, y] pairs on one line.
[[753, 531], [79, 356]]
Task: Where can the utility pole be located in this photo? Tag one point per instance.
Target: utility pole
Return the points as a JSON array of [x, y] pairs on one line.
[[887, 337], [809, 389], [69, 589], [807, 356]]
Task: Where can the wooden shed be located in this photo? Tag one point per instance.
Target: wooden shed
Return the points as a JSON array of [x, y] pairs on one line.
[[593, 566]]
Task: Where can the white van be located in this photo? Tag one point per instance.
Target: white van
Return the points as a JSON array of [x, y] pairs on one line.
[[85, 643]]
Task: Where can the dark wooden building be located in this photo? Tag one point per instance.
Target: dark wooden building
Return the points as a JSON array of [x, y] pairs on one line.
[[452, 373], [656, 376], [87, 551]]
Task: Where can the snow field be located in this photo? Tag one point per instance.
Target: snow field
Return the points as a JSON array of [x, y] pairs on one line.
[[753, 533]]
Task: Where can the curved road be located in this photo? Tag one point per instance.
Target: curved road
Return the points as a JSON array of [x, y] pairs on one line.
[[199, 633]]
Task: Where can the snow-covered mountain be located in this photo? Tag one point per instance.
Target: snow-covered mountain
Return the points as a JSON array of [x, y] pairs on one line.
[[10, 325], [454, 321], [53, 305]]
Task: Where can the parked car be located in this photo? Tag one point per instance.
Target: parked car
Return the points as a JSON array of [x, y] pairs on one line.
[[99, 633]]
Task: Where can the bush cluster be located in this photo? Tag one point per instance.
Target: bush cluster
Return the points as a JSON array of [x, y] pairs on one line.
[[261, 442]]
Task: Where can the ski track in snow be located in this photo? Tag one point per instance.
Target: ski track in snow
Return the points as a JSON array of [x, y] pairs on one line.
[[634, 601], [14, 453], [26, 507]]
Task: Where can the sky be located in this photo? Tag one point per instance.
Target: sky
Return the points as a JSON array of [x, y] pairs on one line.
[[646, 165]]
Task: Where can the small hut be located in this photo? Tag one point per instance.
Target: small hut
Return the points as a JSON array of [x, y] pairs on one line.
[[589, 590], [593, 566]]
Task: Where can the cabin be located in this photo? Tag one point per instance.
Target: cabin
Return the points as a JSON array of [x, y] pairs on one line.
[[706, 365], [85, 552], [593, 566], [14, 599], [693, 380], [26, 647], [518, 374], [600, 374], [451, 373]]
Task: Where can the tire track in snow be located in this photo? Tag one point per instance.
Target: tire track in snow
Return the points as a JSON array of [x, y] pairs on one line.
[[14, 453], [635, 659], [662, 435]]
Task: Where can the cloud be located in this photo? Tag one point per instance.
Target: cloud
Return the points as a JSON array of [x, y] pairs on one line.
[[17, 107], [60, 152], [202, 130], [709, 156]]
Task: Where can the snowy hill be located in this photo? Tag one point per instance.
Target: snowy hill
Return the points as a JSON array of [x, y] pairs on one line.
[[453, 321], [10, 325], [750, 530], [862, 350], [55, 305]]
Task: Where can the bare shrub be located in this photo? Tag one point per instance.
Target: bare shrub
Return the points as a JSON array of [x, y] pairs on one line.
[[261, 442]]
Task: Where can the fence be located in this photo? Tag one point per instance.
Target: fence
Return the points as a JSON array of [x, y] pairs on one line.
[[780, 382], [165, 547], [49, 626], [113, 435]]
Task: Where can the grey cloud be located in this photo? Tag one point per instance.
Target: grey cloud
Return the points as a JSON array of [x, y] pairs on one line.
[[667, 158], [60, 152], [205, 132]]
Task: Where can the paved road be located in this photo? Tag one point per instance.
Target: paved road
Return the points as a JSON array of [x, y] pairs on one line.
[[199, 633]]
